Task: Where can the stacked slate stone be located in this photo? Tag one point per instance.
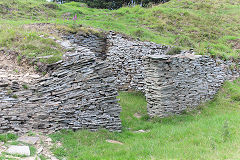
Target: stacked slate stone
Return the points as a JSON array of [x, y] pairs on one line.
[[179, 83], [93, 42], [13, 116], [125, 55], [79, 94]]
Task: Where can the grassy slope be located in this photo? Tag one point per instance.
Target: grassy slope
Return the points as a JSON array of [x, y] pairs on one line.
[[208, 26], [211, 132], [27, 42]]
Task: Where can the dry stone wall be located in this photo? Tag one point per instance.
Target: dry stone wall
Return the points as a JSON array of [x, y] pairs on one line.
[[123, 53], [80, 93], [95, 43], [125, 56], [177, 83], [81, 90]]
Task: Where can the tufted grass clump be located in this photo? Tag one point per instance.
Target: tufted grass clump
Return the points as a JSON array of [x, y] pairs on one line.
[[174, 51], [15, 96], [25, 86], [8, 137]]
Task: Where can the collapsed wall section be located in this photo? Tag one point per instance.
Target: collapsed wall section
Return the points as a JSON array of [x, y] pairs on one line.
[[96, 44], [79, 94], [181, 82]]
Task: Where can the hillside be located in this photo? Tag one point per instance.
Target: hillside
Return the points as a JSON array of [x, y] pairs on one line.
[[31, 30], [207, 26]]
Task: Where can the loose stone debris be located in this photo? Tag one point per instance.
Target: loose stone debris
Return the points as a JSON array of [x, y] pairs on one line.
[[113, 141], [41, 143], [142, 131], [27, 139], [19, 150]]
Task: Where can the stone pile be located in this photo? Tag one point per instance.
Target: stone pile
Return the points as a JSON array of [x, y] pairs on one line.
[[79, 94], [29, 148], [181, 82]]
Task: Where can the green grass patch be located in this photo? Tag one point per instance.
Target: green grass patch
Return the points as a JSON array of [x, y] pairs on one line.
[[211, 132], [29, 44], [187, 24], [206, 26], [27, 9], [7, 137]]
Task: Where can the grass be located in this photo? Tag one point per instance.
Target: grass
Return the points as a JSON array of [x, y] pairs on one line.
[[42, 157], [34, 10], [209, 26], [7, 137], [211, 132], [29, 44]]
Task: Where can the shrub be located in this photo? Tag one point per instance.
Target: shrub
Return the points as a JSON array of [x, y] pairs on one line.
[[115, 4]]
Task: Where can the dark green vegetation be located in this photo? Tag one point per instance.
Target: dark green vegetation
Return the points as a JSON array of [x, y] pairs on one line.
[[115, 4], [211, 132], [209, 26]]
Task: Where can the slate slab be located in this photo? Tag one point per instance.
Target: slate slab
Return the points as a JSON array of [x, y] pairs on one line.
[[20, 150], [113, 141], [28, 139]]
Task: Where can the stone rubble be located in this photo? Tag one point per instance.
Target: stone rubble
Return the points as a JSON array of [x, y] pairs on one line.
[[114, 141], [142, 131], [137, 115], [19, 150], [11, 71], [94, 43], [28, 139], [41, 143]]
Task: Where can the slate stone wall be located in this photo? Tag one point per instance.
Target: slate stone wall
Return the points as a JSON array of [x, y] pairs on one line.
[[181, 82], [123, 53], [125, 56], [79, 94], [96, 44], [81, 90]]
